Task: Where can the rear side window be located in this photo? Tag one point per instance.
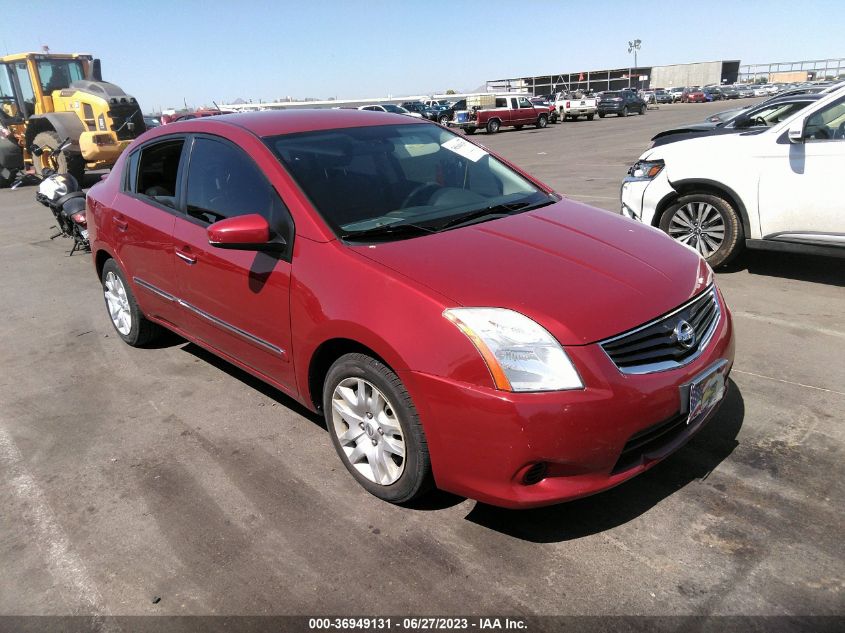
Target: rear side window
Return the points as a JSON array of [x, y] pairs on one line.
[[153, 171], [224, 182]]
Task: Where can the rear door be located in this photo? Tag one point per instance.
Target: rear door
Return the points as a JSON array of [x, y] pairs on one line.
[[140, 223], [237, 302]]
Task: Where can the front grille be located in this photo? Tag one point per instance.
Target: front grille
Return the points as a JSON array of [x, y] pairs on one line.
[[124, 115], [650, 440], [667, 342]]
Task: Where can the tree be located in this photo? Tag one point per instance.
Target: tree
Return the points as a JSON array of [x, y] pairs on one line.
[[450, 92]]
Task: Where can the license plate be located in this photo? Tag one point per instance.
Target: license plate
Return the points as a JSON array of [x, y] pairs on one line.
[[706, 391]]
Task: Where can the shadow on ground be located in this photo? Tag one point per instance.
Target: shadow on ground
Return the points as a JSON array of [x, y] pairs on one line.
[[610, 509], [800, 267]]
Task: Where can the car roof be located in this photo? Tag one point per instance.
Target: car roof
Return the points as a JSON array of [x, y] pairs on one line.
[[275, 122]]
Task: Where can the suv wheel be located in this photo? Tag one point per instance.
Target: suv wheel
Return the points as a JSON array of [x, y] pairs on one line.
[[707, 223], [642, 109], [624, 111], [375, 428]]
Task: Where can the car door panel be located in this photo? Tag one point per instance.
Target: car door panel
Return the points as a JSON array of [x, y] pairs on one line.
[[235, 301]]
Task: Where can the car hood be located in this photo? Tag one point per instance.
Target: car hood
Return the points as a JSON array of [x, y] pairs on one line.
[[582, 273]]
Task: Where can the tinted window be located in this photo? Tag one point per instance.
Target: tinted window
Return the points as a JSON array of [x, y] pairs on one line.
[[224, 182], [157, 169], [501, 102]]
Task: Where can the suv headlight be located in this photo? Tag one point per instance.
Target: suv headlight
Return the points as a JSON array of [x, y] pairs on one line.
[[520, 354], [646, 169]]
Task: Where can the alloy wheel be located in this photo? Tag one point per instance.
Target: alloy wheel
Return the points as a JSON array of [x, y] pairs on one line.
[[365, 423], [117, 303], [699, 225]]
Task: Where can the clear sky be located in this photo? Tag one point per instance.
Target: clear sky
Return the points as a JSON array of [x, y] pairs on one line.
[[164, 52]]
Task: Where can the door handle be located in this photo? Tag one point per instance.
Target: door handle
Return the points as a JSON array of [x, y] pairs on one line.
[[121, 224], [186, 258]]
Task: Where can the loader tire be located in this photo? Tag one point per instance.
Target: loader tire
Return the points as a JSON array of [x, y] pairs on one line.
[[70, 162]]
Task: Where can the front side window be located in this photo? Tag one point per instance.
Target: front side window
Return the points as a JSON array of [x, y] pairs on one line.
[[27, 91], [368, 180], [524, 103], [224, 182], [58, 74], [827, 124]]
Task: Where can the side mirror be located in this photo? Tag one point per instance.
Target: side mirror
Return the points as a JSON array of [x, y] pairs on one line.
[[244, 232], [796, 132]]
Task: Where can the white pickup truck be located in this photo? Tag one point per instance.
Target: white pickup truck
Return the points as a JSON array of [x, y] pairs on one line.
[[570, 106]]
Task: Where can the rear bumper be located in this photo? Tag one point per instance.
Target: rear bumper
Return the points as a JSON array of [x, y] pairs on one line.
[[482, 441]]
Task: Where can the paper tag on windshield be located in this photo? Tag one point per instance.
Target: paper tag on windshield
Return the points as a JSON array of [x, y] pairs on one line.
[[465, 149]]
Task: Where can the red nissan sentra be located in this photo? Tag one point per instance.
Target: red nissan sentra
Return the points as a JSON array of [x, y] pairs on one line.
[[458, 323]]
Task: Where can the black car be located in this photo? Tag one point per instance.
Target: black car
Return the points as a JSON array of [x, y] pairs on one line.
[[447, 114], [421, 108], [763, 115], [621, 103]]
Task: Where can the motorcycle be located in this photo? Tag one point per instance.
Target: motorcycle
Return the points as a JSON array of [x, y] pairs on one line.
[[64, 197]]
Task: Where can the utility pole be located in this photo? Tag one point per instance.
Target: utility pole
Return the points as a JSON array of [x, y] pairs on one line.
[[633, 47]]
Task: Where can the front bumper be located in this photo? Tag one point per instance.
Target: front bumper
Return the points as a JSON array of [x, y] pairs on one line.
[[640, 199], [482, 441]]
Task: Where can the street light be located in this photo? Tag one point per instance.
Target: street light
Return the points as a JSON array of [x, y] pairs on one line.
[[633, 47]]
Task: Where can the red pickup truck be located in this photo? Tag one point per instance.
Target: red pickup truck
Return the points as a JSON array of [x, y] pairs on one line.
[[492, 112]]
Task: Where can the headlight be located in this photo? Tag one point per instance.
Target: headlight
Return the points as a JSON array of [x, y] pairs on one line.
[[520, 354], [646, 169]]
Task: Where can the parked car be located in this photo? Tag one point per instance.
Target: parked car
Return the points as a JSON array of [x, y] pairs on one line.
[[290, 227], [573, 105], [663, 96], [187, 116], [712, 93], [693, 95], [729, 92], [492, 112], [390, 107], [648, 96], [621, 103], [744, 91], [541, 103], [151, 121], [447, 114], [765, 114], [676, 92], [423, 110], [777, 188], [761, 91]]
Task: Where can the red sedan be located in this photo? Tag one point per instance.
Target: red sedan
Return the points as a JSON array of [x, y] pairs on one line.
[[458, 323], [693, 95]]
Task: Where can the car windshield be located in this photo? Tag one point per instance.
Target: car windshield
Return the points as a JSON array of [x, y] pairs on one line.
[[389, 107], [368, 182]]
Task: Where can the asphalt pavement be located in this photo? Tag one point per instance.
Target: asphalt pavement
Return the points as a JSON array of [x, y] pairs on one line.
[[128, 475]]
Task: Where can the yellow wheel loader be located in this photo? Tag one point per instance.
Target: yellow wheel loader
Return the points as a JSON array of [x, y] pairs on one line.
[[46, 98]]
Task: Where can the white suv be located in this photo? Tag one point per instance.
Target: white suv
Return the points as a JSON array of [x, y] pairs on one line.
[[781, 187]]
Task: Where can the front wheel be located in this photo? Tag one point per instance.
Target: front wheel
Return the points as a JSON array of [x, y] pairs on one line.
[[707, 223], [375, 429], [443, 120], [624, 111], [126, 317], [642, 110], [542, 122]]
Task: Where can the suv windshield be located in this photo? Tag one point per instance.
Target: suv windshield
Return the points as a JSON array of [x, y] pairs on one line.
[[367, 182], [58, 74]]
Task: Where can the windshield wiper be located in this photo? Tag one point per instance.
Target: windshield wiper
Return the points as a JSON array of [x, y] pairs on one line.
[[387, 230], [496, 210]]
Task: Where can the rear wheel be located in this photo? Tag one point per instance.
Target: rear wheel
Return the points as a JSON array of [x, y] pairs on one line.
[[707, 223], [69, 162], [375, 428], [469, 130], [126, 317], [493, 126], [590, 117], [601, 115]]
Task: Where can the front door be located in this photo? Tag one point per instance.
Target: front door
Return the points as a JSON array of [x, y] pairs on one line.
[[801, 184], [237, 302]]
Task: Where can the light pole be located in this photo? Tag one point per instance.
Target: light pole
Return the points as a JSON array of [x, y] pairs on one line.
[[633, 47]]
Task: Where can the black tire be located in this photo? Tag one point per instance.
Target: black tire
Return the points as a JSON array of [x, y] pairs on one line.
[[443, 120], [142, 330], [731, 243], [601, 115], [542, 121], [590, 117], [69, 162], [493, 126], [469, 130], [642, 109], [416, 478], [624, 111]]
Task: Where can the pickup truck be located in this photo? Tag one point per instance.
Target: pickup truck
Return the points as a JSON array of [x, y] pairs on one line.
[[571, 106], [491, 112]]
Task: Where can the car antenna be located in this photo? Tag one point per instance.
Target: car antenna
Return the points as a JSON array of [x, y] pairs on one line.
[[216, 106]]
